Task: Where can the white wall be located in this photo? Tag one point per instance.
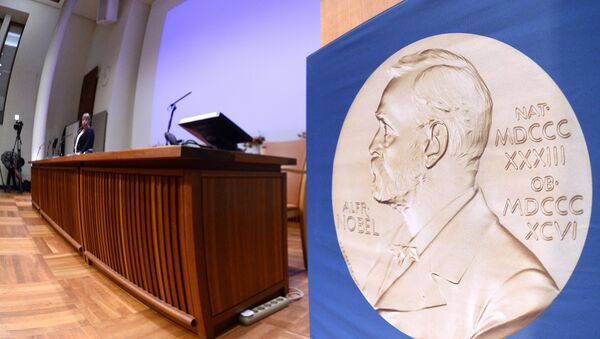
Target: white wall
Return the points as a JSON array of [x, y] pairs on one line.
[[116, 50], [24, 82], [142, 110], [68, 77], [245, 59], [26, 72]]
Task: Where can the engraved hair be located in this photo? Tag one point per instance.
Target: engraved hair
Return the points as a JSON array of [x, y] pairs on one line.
[[448, 89]]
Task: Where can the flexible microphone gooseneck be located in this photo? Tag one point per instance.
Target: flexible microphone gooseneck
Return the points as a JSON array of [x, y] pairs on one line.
[[170, 138]]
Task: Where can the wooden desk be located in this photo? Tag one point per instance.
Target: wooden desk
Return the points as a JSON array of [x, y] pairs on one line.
[[199, 235]]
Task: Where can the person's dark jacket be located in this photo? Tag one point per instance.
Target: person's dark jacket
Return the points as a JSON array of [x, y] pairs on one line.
[[86, 141]]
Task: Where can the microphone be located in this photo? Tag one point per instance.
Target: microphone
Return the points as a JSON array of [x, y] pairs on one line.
[[61, 146], [178, 100], [168, 136], [38, 151], [54, 142], [48, 148]]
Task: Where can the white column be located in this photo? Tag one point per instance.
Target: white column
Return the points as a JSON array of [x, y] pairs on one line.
[[43, 96], [4, 29]]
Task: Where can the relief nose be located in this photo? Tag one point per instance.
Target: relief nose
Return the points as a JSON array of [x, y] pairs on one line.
[[375, 145]]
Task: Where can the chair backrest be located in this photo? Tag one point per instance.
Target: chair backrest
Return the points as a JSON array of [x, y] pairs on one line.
[[295, 174]]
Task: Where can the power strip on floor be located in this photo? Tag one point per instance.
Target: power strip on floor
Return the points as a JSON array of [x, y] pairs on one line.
[[249, 317]]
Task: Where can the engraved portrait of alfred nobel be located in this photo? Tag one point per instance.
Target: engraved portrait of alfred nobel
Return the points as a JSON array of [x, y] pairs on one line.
[[451, 270]]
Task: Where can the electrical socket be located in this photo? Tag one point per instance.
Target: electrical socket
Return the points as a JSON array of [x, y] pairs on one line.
[[259, 312]]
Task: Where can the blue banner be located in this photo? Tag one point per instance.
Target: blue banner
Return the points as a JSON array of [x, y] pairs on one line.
[[486, 111]]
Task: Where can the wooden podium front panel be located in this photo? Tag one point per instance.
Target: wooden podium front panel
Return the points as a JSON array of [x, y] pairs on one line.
[[56, 193], [100, 217], [245, 242], [36, 190], [132, 225], [199, 235]]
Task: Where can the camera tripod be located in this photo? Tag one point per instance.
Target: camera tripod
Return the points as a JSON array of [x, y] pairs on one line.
[[17, 164]]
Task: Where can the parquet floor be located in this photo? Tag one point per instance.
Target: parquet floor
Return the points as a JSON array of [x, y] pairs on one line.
[[47, 291]]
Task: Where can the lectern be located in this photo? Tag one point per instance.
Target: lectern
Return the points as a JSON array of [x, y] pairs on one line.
[[197, 234]]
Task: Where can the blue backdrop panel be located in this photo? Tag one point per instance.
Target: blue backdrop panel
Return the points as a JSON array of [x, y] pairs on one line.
[[560, 36]]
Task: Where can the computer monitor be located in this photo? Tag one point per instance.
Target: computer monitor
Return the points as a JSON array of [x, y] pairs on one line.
[[215, 129]]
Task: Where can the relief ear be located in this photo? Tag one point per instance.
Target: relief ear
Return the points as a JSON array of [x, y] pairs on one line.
[[437, 144]]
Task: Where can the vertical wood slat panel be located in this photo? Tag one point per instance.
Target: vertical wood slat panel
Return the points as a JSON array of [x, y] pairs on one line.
[[107, 225], [34, 197], [133, 239], [92, 223], [105, 239], [157, 228], [175, 240], [100, 225], [129, 242], [166, 237], [113, 225], [134, 243], [138, 251], [148, 233], [98, 217], [157, 251], [160, 240], [141, 239], [117, 225], [101, 180], [88, 198], [84, 211], [143, 234], [125, 223], [190, 198], [114, 250], [56, 190]]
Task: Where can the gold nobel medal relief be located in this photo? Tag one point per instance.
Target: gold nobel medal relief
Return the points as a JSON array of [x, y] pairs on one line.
[[462, 189]]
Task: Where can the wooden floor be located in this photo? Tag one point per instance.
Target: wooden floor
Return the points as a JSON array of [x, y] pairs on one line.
[[47, 291]]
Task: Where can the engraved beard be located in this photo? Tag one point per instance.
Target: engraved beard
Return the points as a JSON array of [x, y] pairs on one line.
[[400, 192]]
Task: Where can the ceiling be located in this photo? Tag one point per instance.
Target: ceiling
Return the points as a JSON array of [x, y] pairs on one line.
[[84, 8]]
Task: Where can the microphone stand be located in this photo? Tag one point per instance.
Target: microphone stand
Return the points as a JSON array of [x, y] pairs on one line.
[[38, 151], [61, 146], [170, 138], [48, 148]]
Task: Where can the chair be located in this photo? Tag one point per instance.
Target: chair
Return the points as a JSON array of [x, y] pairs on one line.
[[296, 182]]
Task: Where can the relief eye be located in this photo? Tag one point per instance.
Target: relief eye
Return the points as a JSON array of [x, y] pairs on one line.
[[388, 129], [382, 128], [387, 136]]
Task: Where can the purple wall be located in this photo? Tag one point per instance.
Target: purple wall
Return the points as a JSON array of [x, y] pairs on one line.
[[246, 59]]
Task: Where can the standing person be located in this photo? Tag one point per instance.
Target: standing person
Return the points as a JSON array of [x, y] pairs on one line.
[[84, 143]]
